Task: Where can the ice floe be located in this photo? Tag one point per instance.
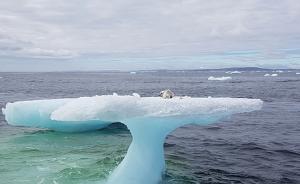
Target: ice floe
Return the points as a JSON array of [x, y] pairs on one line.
[[212, 78]]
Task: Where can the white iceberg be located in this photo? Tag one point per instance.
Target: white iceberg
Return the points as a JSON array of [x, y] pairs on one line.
[[149, 119], [279, 71], [298, 73], [271, 75], [219, 78], [235, 72], [132, 73]]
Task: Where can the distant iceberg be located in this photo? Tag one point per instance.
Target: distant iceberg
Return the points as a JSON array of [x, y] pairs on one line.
[[298, 73], [219, 78], [271, 75], [279, 71], [234, 72], [132, 73], [149, 119]]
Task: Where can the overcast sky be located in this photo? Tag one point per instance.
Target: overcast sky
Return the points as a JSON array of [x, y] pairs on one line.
[[114, 34]]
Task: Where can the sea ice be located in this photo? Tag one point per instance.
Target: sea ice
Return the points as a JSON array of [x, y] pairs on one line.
[[218, 78], [149, 119]]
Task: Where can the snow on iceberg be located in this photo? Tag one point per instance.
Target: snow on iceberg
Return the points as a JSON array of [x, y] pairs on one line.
[[218, 78], [114, 108], [149, 119]]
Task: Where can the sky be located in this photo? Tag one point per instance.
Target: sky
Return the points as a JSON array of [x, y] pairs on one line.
[[58, 35]]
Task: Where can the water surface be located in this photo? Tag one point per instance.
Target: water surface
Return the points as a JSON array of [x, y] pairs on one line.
[[257, 147]]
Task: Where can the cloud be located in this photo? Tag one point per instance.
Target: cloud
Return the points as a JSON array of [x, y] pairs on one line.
[[67, 29]]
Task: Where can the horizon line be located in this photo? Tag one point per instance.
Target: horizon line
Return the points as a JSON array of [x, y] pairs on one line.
[[123, 71]]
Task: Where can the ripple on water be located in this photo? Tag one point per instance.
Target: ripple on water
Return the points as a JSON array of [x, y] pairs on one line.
[[254, 148]]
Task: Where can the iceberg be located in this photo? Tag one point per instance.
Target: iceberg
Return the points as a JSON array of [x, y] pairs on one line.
[[37, 114], [218, 78], [149, 119], [271, 75], [279, 71], [233, 72]]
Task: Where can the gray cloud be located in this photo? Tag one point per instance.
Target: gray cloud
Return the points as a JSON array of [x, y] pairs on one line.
[[68, 29]]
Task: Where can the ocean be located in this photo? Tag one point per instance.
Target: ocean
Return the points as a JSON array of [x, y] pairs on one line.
[[257, 147]]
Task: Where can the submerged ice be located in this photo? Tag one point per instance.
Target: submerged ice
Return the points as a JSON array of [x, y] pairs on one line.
[[149, 119]]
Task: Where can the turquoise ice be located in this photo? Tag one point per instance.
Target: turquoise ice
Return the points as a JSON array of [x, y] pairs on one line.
[[149, 119], [37, 114]]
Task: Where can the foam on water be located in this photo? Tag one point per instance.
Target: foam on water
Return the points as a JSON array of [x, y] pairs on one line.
[[149, 119]]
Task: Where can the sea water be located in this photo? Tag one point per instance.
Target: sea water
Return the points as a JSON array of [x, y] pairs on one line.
[[257, 147]]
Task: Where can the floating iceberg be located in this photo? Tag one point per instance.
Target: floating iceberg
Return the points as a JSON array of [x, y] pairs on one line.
[[37, 114], [132, 73], [271, 75], [149, 119], [234, 72], [297, 73], [279, 71], [218, 78]]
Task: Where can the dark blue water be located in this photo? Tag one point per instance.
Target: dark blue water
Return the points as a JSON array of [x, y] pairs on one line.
[[257, 147]]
